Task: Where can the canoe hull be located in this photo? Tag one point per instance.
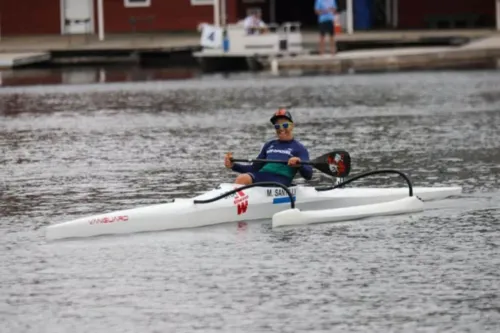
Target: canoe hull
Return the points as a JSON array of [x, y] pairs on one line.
[[251, 204]]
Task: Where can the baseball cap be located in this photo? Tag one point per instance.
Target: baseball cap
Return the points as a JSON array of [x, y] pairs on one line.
[[281, 113]]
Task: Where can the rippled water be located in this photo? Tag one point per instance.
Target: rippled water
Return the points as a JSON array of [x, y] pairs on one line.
[[69, 151]]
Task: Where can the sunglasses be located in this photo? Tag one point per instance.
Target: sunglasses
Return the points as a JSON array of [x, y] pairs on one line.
[[284, 126]]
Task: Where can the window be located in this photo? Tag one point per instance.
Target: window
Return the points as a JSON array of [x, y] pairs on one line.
[[202, 2], [137, 3]]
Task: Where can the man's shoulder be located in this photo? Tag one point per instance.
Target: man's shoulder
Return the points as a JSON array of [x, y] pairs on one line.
[[247, 20], [270, 142], [299, 144]]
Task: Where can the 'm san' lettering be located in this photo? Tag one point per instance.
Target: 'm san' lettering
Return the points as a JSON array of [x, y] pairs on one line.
[[279, 192]]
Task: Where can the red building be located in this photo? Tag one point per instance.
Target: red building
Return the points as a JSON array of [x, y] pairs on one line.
[[34, 17], [31, 17]]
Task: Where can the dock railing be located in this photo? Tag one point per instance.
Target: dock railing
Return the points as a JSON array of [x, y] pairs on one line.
[[276, 39]]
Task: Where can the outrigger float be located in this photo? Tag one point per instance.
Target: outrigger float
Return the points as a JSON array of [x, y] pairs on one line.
[[286, 206]]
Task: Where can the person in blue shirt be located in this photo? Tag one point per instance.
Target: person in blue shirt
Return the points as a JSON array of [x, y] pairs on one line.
[[326, 10], [284, 148]]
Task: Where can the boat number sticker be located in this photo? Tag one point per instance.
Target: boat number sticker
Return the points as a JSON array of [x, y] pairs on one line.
[[241, 202], [279, 192]]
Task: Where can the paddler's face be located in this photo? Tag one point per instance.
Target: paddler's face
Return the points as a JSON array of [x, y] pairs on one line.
[[284, 129]]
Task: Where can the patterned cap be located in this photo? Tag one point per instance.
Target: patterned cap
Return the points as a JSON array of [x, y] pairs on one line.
[[281, 113]]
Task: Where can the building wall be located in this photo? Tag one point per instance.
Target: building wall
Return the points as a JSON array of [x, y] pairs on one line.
[[412, 14], [168, 15], [39, 17], [30, 17]]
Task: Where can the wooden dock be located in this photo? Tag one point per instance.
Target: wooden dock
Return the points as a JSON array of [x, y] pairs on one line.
[[137, 42], [11, 60], [175, 41], [474, 53], [80, 49], [77, 49]]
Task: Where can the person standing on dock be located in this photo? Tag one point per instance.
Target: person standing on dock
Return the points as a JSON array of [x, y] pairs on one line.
[[326, 11]]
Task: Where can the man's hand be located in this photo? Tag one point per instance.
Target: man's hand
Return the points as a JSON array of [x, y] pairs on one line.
[[294, 161], [227, 160]]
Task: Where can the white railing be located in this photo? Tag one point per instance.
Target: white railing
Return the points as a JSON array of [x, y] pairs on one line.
[[284, 38]]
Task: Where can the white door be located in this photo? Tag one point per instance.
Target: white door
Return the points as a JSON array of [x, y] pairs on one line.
[[77, 16]]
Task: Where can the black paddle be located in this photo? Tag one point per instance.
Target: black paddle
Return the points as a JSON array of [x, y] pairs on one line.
[[336, 163]]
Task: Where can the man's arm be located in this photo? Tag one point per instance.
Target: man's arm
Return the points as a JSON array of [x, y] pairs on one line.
[[317, 8], [305, 171], [247, 24], [256, 166], [334, 8]]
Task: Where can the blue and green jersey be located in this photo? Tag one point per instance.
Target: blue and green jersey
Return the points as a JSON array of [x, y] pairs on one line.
[[281, 151]]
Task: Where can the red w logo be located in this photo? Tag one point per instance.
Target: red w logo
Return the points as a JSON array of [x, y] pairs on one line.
[[242, 207]]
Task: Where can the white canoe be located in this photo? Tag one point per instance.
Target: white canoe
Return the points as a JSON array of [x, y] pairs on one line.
[[250, 204]]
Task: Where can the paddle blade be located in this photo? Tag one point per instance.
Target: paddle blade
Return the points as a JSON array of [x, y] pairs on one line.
[[336, 163]]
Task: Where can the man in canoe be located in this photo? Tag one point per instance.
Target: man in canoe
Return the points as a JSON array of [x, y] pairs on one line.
[[284, 148]]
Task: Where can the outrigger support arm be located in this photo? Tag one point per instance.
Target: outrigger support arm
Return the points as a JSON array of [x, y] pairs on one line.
[[223, 195], [370, 173]]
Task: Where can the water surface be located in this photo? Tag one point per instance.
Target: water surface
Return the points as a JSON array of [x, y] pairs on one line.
[[74, 150]]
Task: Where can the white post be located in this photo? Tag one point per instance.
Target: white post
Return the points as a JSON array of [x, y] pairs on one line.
[[100, 18], [350, 17], [216, 13], [395, 13], [223, 12], [102, 75], [498, 14]]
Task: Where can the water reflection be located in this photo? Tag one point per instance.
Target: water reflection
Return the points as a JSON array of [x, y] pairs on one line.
[[88, 75]]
